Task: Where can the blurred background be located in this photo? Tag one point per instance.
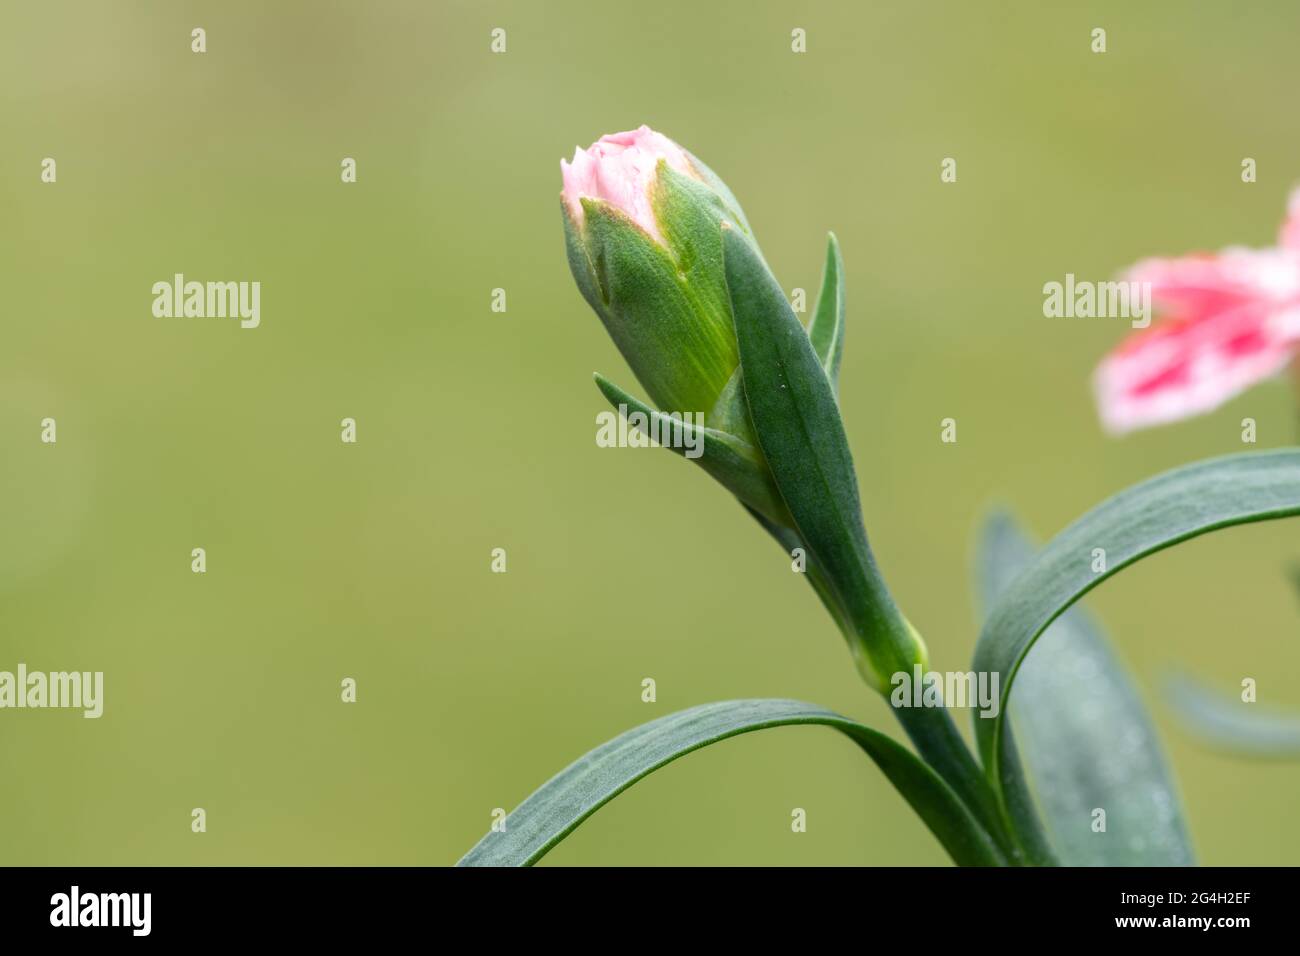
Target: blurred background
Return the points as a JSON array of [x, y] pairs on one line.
[[476, 429]]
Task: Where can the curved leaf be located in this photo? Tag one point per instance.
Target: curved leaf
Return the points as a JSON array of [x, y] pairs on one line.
[[1141, 520], [1083, 735], [575, 793], [826, 330], [1226, 722]]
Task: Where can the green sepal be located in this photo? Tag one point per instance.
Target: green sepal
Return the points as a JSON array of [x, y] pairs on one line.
[[580, 264], [689, 215], [730, 413], [677, 341], [714, 182]]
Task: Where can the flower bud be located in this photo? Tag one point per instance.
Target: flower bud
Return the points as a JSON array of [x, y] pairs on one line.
[[662, 252], [643, 228]]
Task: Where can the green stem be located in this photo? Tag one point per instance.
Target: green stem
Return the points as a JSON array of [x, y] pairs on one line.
[[940, 744], [1017, 811], [868, 608], [933, 734], [930, 729]]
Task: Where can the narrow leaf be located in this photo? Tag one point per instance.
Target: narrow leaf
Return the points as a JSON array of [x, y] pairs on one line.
[[559, 806], [826, 330], [1141, 520], [733, 462], [1084, 737], [1227, 723], [802, 437]]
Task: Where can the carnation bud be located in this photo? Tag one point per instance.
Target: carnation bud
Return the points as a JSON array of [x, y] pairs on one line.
[[642, 223]]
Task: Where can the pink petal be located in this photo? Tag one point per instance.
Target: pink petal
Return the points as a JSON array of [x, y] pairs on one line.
[[1231, 320], [620, 169], [1203, 284], [1184, 367]]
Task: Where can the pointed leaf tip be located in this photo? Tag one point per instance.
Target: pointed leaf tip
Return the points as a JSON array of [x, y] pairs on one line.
[[826, 330]]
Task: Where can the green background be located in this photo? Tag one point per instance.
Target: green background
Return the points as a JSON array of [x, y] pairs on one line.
[[476, 429]]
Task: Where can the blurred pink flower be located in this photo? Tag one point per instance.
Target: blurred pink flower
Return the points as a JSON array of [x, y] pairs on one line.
[[620, 169], [1230, 321]]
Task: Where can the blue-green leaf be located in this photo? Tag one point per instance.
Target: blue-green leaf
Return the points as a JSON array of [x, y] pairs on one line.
[[552, 812], [1226, 722], [1141, 520], [798, 427], [1084, 738], [826, 330]]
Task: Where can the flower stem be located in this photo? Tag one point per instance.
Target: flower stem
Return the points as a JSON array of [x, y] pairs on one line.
[[859, 612], [940, 744]]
